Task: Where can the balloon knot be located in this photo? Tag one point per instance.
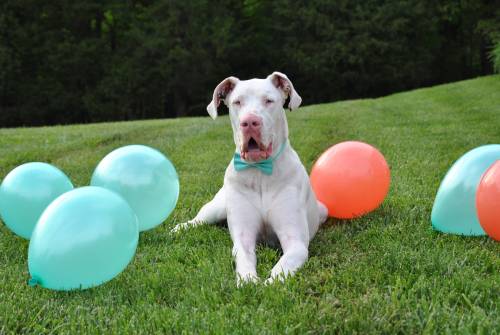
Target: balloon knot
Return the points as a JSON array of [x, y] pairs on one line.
[[33, 282]]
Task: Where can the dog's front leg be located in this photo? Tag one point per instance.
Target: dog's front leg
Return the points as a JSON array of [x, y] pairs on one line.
[[212, 212], [243, 223], [289, 221]]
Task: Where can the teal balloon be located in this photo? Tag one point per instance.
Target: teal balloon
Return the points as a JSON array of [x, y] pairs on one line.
[[454, 209], [145, 178], [25, 193], [83, 239]]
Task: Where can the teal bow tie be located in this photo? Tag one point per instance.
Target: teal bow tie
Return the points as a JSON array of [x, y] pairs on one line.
[[265, 166]]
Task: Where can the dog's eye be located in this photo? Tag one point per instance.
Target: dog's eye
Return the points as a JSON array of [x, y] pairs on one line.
[[237, 103], [269, 101]]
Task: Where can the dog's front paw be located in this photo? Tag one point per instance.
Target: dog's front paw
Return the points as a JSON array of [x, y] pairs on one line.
[[275, 278], [272, 280], [246, 279], [179, 227]]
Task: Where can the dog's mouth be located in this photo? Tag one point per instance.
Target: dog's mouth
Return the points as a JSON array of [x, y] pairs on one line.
[[254, 150]]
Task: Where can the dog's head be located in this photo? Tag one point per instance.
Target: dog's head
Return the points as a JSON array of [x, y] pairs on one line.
[[256, 112]]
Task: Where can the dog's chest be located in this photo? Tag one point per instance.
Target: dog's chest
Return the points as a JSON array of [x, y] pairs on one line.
[[261, 191]]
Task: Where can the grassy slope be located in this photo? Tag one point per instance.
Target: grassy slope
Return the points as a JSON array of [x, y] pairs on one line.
[[387, 272]]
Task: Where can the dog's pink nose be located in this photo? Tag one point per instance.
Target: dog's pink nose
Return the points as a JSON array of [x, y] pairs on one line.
[[250, 122]]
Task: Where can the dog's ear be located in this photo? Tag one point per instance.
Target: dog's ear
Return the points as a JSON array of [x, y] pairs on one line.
[[220, 93], [281, 81]]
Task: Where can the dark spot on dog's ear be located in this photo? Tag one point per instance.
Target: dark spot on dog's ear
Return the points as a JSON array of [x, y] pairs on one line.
[[225, 89]]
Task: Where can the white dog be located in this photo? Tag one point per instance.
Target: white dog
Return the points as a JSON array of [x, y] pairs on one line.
[[266, 192]]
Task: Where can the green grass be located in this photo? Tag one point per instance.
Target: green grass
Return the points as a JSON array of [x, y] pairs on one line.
[[387, 272]]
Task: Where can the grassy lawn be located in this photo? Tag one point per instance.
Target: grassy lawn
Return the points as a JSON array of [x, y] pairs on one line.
[[387, 272]]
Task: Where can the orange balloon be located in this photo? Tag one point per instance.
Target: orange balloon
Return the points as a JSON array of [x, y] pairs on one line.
[[488, 201], [351, 179]]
